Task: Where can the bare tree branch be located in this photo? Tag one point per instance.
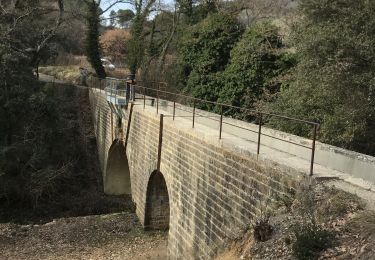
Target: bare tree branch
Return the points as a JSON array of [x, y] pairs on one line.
[[117, 2]]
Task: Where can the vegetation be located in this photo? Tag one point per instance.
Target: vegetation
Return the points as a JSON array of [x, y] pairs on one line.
[[65, 73], [310, 241], [114, 43], [93, 48], [282, 56], [124, 16], [44, 152], [262, 228], [42, 146], [333, 80], [257, 65], [205, 50]]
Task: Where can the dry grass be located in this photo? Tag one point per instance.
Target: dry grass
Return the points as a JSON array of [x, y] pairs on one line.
[[71, 73], [65, 73], [334, 203], [364, 223], [118, 73]]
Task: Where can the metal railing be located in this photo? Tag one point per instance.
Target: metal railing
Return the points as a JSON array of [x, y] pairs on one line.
[[116, 96], [146, 92]]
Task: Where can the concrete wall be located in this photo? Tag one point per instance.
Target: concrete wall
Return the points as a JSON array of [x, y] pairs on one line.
[[347, 162], [214, 190]]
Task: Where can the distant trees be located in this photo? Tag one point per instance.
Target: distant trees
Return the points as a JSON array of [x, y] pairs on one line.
[[124, 17], [114, 43], [112, 18], [121, 18], [334, 79]]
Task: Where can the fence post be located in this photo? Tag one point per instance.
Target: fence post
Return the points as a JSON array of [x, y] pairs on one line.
[[144, 97], [157, 101], [160, 141], [128, 127], [313, 150], [221, 121], [174, 105], [259, 133], [133, 91], [193, 113]]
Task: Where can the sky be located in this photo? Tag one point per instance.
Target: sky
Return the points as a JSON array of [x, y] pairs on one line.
[[105, 3]]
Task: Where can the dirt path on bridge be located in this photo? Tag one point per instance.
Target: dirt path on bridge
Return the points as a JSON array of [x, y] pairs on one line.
[[111, 236]]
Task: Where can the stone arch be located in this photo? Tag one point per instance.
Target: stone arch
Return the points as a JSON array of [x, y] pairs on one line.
[[157, 212], [117, 175]]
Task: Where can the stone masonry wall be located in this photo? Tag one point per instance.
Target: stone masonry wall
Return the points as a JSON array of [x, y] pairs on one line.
[[214, 191]]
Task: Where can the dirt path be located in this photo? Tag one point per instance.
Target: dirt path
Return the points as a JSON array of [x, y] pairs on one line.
[[111, 236]]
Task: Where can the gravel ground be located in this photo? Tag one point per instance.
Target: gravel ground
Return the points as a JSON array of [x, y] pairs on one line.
[[111, 236]]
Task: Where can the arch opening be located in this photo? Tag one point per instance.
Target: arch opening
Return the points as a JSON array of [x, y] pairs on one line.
[[157, 203], [117, 175]]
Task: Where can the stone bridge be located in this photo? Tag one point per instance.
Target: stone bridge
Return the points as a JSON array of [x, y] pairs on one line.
[[205, 191]]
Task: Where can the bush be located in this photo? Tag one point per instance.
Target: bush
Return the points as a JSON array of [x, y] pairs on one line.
[[334, 79], [256, 64], [204, 50], [311, 239], [262, 228]]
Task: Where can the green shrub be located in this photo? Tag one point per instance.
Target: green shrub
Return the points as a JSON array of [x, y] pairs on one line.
[[334, 80], [256, 65], [311, 239], [204, 52]]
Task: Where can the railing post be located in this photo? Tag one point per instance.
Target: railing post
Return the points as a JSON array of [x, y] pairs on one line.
[[127, 93], [174, 106], [221, 121], [313, 149], [157, 101], [144, 97], [133, 91], [129, 122], [160, 141], [193, 113], [116, 92], [111, 96], [259, 133]]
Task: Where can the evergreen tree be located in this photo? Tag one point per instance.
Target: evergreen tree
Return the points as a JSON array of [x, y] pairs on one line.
[[257, 61], [112, 18], [124, 16], [92, 38], [205, 51], [335, 78]]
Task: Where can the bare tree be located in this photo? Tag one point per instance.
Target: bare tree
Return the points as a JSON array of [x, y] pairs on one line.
[[14, 18]]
